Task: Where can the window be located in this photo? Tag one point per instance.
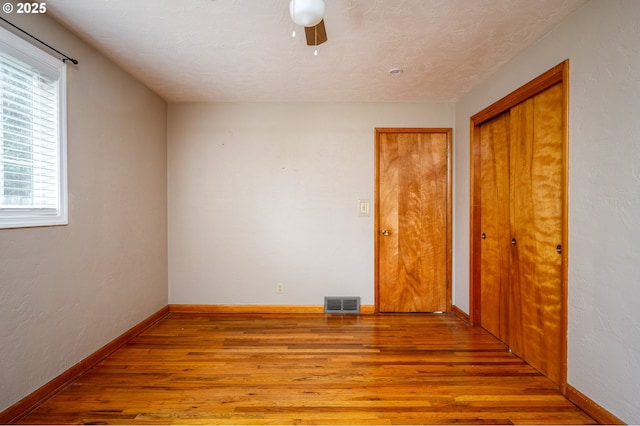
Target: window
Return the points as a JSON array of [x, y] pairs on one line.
[[33, 190]]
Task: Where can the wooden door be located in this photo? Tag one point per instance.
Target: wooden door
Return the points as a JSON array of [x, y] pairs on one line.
[[536, 179], [495, 225], [412, 220]]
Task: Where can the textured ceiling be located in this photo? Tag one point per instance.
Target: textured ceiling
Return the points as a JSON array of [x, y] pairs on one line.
[[242, 50]]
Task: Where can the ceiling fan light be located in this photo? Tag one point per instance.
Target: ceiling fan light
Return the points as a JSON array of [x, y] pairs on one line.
[[307, 13]]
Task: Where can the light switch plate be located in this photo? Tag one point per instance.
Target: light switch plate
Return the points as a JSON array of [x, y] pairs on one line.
[[363, 208]]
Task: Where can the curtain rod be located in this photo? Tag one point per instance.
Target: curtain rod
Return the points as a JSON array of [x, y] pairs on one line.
[[66, 58]]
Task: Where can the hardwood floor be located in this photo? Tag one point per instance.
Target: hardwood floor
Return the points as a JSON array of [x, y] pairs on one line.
[[310, 369]]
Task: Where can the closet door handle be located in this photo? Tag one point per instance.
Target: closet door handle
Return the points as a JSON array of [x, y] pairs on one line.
[[513, 242], [484, 236], [559, 248]]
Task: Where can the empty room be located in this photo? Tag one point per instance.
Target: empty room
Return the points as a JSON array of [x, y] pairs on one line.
[[320, 212]]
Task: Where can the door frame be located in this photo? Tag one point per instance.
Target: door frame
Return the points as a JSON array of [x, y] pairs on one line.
[[386, 130], [557, 74]]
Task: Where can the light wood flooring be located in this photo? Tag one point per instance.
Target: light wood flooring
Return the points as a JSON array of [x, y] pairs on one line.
[[310, 369]]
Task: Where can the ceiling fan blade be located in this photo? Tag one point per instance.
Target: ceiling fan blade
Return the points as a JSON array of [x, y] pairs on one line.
[[316, 35]]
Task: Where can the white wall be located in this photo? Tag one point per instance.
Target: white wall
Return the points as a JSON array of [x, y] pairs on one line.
[[267, 193], [66, 291], [602, 41]]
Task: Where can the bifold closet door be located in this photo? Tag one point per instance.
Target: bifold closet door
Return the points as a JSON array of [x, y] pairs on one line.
[[495, 225], [536, 194]]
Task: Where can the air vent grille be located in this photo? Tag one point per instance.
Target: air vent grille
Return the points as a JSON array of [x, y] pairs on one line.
[[341, 305]]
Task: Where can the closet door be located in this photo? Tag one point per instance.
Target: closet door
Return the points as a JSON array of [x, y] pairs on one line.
[[495, 225], [518, 285], [536, 194]]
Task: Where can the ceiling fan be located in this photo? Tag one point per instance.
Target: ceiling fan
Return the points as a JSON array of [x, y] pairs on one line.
[[310, 15]]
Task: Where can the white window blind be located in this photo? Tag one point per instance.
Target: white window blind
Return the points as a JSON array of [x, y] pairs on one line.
[[32, 135]]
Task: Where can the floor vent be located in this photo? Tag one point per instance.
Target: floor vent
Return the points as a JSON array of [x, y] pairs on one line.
[[341, 305]]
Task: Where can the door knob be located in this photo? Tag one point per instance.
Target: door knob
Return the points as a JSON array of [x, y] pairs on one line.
[[513, 242], [385, 232]]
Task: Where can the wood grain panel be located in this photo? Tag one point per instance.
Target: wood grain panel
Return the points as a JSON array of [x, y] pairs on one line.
[[535, 315], [475, 231], [495, 226], [413, 208], [310, 369], [388, 200]]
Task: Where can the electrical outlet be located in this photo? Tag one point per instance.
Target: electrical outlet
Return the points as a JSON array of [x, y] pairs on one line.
[[280, 288]]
